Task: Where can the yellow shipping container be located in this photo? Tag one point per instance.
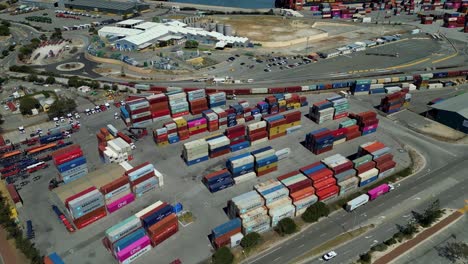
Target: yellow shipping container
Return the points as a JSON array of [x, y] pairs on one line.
[[213, 135], [283, 128], [380, 80], [282, 102], [267, 167], [14, 213], [197, 127], [395, 79], [109, 137], [164, 143], [180, 121], [290, 105], [297, 123], [296, 105], [273, 131]]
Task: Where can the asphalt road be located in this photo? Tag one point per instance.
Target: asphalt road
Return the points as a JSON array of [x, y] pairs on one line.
[[443, 178]]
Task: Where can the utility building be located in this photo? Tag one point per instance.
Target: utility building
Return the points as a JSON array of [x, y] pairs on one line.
[[453, 112]]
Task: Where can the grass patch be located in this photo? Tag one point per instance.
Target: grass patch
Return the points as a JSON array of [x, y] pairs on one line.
[[187, 218], [333, 243]]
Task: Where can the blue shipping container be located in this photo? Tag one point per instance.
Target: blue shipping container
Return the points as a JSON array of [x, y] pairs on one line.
[[129, 239], [157, 216], [218, 178], [242, 172], [266, 161], [364, 183], [71, 164], [50, 138], [193, 162], [240, 146], [56, 259], [260, 150], [218, 188], [271, 190], [226, 227]]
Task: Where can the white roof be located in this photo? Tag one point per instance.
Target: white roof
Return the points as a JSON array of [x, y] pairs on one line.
[[130, 22], [146, 25], [176, 23], [118, 31], [155, 31]]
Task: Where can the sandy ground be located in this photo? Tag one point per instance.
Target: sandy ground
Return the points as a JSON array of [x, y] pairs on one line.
[[443, 132], [266, 28]]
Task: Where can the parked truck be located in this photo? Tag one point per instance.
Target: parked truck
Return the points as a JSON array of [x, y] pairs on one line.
[[369, 196]]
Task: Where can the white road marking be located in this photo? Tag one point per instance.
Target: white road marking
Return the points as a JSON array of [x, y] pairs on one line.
[[296, 239], [346, 252], [324, 234], [276, 258], [301, 246], [398, 195], [380, 205], [389, 229]]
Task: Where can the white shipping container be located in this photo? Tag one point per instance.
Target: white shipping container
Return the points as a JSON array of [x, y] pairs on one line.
[[305, 202], [246, 177], [259, 90], [274, 196], [283, 153], [368, 174], [254, 214], [304, 88], [256, 125], [259, 141]]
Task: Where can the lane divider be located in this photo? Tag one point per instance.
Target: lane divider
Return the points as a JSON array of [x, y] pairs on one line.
[[446, 58]]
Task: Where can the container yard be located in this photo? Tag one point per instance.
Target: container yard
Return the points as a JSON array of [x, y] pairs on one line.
[[252, 156]]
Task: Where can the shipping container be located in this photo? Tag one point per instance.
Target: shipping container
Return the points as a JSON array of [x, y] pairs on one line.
[[356, 202]]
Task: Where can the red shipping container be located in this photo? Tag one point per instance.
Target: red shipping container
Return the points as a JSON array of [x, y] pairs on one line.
[[343, 167], [219, 153], [353, 135], [328, 192], [265, 172], [164, 234], [299, 185], [276, 90], [258, 130], [117, 183], [321, 175], [160, 113], [142, 179], [315, 164], [90, 218], [13, 193], [324, 184], [374, 147], [137, 120], [249, 118], [287, 175], [180, 114], [365, 167], [198, 131], [235, 134], [339, 132], [164, 223], [382, 159], [71, 155], [351, 129], [184, 134], [306, 192], [293, 116], [226, 238], [235, 129], [386, 166], [320, 151], [342, 115], [124, 137]]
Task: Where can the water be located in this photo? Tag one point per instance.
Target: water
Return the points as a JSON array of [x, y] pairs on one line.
[[233, 3]]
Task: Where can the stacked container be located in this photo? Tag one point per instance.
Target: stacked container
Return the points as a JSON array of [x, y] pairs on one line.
[[241, 165], [222, 234], [159, 221], [160, 136], [377, 88], [236, 134], [319, 141], [218, 180], [393, 102], [249, 207], [263, 107], [123, 234], [125, 115], [182, 128], [117, 151], [361, 87], [142, 179], [159, 107], [117, 194], [197, 126], [222, 117], [218, 145], [178, 103], [321, 112], [341, 106], [212, 118], [70, 162], [195, 152], [266, 160], [280, 209], [217, 99], [197, 101], [257, 132], [381, 154], [339, 135], [293, 121], [273, 106], [367, 122], [454, 20], [86, 207], [172, 135], [276, 126], [139, 111], [300, 190]]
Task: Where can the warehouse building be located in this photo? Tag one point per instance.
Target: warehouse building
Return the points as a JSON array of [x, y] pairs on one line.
[[114, 7], [46, 4], [136, 35], [453, 112]]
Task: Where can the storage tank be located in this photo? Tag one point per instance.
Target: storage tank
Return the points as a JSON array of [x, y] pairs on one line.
[[220, 28], [227, 30], [212, 26]]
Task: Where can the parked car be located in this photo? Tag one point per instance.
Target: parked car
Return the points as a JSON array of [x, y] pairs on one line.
[[329, 255]]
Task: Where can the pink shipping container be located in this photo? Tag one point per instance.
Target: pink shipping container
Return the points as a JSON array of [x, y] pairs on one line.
[[120, 203], [367, 128], [378, 191], [133, 249], [197, 122]]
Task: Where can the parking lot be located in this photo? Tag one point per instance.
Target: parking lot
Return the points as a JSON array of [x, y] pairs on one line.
[[181, 184]]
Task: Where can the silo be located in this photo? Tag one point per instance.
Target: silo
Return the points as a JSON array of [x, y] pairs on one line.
[[220, 28], [227, 30], [212, 26]]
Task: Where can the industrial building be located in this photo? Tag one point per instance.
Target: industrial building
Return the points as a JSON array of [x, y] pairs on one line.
[[114, 7], [453, 112], [46, 4], [136, 34]]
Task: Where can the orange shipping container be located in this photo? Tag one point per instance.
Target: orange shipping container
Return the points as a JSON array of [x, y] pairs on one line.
[[306, 192], [156, 228]]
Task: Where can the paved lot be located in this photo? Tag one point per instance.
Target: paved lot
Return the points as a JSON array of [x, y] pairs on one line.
[[182, 184]]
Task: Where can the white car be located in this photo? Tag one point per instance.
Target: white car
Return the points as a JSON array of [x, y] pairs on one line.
[[107, 105], [329, 255], [6, 107]]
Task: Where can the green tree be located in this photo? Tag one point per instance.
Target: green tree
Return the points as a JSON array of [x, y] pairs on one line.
[[43, 37], [61, 107], [1, 119], [315, 211], [156, 19], [35, 42], [27, 104], [454, 251], [106, 87], [409, 229], [50, 80], [74, 81], [115, 87], [5, 53], [191, 44], [94, 84], [222, 256], [11, 47], [365, 258], [57, 35], [286, 226], [251, 240], [32, 78]]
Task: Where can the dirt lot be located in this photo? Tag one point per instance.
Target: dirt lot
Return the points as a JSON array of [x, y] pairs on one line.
[[267, 28]]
